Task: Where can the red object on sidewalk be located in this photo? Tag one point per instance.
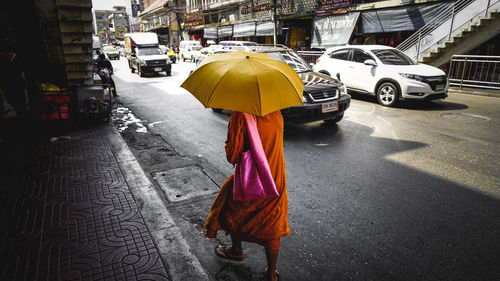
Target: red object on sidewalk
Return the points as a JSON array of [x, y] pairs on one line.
[[56, 105]]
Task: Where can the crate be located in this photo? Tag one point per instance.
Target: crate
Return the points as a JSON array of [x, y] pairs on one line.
[[56, 105]]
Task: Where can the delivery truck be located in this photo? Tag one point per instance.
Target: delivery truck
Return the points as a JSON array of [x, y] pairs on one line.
[[144, 54]]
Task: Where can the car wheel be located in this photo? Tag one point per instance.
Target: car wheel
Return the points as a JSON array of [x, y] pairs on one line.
[[169, 73], [387, 94], [331, 122]]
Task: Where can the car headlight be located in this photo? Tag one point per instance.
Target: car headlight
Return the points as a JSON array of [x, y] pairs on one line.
[[412, 77], [142, 62], [343, 90]]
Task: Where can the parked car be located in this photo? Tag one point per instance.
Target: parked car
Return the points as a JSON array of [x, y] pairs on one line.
[[188, 49], [206, 52], [324, 98], [384, 72], [111, 52], [237, 45]]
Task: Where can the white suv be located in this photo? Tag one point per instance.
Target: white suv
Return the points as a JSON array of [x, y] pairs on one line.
[[384, 72]]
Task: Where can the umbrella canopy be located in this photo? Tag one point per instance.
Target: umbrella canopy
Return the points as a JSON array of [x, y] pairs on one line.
[[245, 82]]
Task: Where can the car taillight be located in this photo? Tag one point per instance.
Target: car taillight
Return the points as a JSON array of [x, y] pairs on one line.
[[317, 60]]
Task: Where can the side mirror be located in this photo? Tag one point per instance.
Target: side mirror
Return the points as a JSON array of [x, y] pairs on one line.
[[338, 76], [370, 62]]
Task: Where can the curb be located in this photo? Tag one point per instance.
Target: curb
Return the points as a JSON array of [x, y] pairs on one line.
[[474, 93], [180, 262]]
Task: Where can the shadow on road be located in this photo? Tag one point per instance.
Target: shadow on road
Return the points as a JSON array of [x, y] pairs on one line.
[[358, 215]]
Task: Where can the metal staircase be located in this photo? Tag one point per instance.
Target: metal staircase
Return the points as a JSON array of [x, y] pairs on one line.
[[464, 25]]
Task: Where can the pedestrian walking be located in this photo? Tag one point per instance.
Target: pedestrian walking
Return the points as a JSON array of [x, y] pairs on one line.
[[252, 204], [261, 221]]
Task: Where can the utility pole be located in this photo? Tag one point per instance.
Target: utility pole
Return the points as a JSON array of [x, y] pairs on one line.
[[274, 22]]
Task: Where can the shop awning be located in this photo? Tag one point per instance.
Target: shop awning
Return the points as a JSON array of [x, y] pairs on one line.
[[265, 28], [333, 30], [225, 31], [210, 32], [400, 18], [244, 29]]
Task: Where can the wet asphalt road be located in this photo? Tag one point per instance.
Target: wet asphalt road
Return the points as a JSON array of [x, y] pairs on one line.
[[407, 193]]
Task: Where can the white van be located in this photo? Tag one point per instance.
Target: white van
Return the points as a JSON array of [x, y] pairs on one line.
[[189, 49]]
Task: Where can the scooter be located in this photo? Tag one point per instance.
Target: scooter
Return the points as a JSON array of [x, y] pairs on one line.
[[105, 75]]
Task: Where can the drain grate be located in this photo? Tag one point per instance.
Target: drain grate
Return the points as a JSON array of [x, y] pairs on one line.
[[184, 183], [465, 117]]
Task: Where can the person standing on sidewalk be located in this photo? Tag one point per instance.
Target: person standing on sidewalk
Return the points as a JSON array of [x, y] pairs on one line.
[[261, 221]]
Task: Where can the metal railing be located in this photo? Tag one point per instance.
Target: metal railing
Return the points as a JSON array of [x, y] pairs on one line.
[[451, 15], [475, 71], [310, 56]]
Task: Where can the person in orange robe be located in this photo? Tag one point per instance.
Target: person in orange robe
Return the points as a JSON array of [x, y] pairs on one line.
[[261, 221]]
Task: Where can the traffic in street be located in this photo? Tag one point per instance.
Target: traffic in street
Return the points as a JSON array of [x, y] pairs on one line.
[[388, 193]]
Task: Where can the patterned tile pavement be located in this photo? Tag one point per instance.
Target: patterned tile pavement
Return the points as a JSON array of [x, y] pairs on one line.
[[67, 214]]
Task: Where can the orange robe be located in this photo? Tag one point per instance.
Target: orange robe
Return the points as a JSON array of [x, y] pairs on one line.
[[262, 221]]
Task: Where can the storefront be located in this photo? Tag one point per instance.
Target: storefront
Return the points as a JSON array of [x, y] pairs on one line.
[[391, 26], [297, 33], [244, 31], [388, 26], [264, 32], [260, 32], [225, 32]]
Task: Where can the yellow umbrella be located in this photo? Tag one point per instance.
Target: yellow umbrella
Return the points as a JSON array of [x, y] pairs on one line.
[[246, 82]]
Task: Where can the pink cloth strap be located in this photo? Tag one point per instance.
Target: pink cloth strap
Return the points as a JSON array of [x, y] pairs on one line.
[[253, 178]]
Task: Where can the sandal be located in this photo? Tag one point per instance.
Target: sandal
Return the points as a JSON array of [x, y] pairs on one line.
[[277, 273], [222, 252]]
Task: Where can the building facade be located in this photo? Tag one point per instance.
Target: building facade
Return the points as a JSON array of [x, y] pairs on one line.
[[111, 25], [118, 22], [164, 17]]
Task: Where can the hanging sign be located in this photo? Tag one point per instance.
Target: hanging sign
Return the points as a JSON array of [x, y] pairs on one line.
[[334, 30]]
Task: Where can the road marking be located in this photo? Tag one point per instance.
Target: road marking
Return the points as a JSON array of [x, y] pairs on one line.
[[389, 123], [151, 125]]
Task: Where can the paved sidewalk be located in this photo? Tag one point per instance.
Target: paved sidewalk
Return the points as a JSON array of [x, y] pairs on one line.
[[67, 212]]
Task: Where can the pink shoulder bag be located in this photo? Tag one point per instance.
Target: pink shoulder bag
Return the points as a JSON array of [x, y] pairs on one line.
[[252, 176]]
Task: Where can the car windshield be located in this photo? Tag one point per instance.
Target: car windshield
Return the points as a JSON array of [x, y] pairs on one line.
[[292, 59], [149, 51], [109, 49], [393, 57]]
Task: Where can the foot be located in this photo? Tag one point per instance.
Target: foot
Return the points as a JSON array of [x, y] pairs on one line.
[[273, 277], [227, 252]]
